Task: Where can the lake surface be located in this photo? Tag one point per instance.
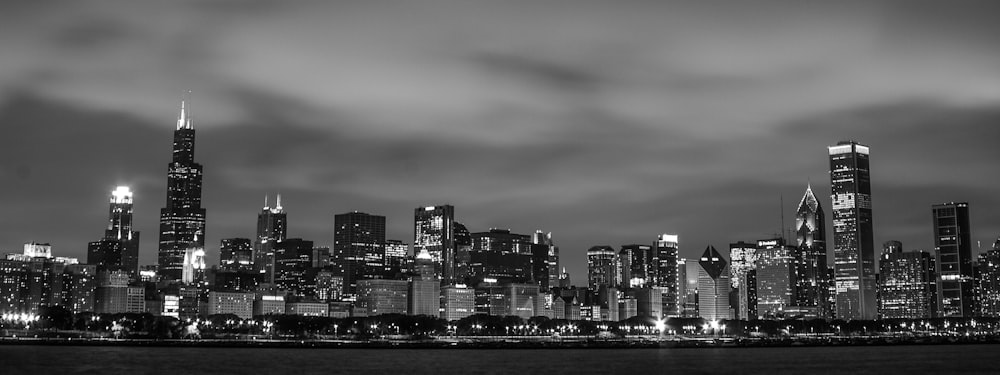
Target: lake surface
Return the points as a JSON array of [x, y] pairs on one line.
[[857, 360]]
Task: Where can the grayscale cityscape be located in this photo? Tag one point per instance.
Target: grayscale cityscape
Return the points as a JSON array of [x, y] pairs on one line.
[[811, 185]]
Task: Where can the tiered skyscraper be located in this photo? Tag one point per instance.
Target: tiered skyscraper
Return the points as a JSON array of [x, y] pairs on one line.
[[853, 239], [810, 234], [182, 221], [119, 248]]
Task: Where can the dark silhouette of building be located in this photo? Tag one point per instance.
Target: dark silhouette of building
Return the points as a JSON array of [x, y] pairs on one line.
[[810, 255], [853, 238], [434, 231], [953, 250], [359, 247], [292, 262], [638, 266], [119, 248], [272, 226], [236, 254], [182, 221]]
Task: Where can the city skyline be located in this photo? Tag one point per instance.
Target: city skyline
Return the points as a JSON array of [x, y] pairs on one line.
[[522, 135]]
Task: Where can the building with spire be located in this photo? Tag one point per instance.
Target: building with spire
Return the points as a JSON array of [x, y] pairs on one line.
[[182, 220], [119, 248], [272, 227], [853, 236], [810, 254]]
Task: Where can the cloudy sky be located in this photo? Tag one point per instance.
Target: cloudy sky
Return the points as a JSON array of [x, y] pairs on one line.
[[603, 122]]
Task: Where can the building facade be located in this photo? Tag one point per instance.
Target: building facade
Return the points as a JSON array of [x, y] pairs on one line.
[[907, 285], [713, 286], [853, 238], [182, 220], [953, 250], [434, 231]]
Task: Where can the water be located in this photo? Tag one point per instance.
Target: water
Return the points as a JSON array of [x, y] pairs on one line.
[[930, 359]]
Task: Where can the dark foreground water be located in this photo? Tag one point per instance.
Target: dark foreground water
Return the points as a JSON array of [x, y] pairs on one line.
[[882, 360]]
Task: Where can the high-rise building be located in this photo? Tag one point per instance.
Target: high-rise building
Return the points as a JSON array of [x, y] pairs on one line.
[[292, 260], [907, 285], [396, 252], [359, 247], [236, 254], [463, 253], [810, 254], [272, 226], [542, 238], [79, 287], [182, 220], [775, 277], [666, 277], [602, 267], [119, 248], [638, 266], [434, 231], [713, 286], [953, 250], [743, 268], [989, 281], [502, 256], [853, 238]]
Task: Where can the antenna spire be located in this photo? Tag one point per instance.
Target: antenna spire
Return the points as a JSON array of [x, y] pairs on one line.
[[266, 206], [278, 204], [184, 119]]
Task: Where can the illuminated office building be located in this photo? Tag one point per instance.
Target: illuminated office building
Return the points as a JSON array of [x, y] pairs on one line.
[[182, 221], [602, 267], [434, 231], [853, 238], [907, 285], [810, 254], [637, 264], [989, 281], [776, 279], [272, 226], [953, 253], [743, 268], [713, 286], [665, 275], [119, 248]]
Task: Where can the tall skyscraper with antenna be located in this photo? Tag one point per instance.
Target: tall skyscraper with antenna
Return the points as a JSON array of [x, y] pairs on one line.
[[853, 237], [272, 226], [182, 221]]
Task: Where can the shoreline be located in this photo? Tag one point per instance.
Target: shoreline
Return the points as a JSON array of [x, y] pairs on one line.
[[504, 343]]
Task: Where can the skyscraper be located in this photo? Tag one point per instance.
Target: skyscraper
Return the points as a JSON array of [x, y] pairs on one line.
[[359, 247], [908, 285], [435, 232], [989, 281], [775, 277], [743, 268], [810, 254], [713, 286], [953, 250], [639, 266], [119, 248], [853, 239], [666, 277], [602, 267], [272, 226], [182, 221], [543, 238]]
